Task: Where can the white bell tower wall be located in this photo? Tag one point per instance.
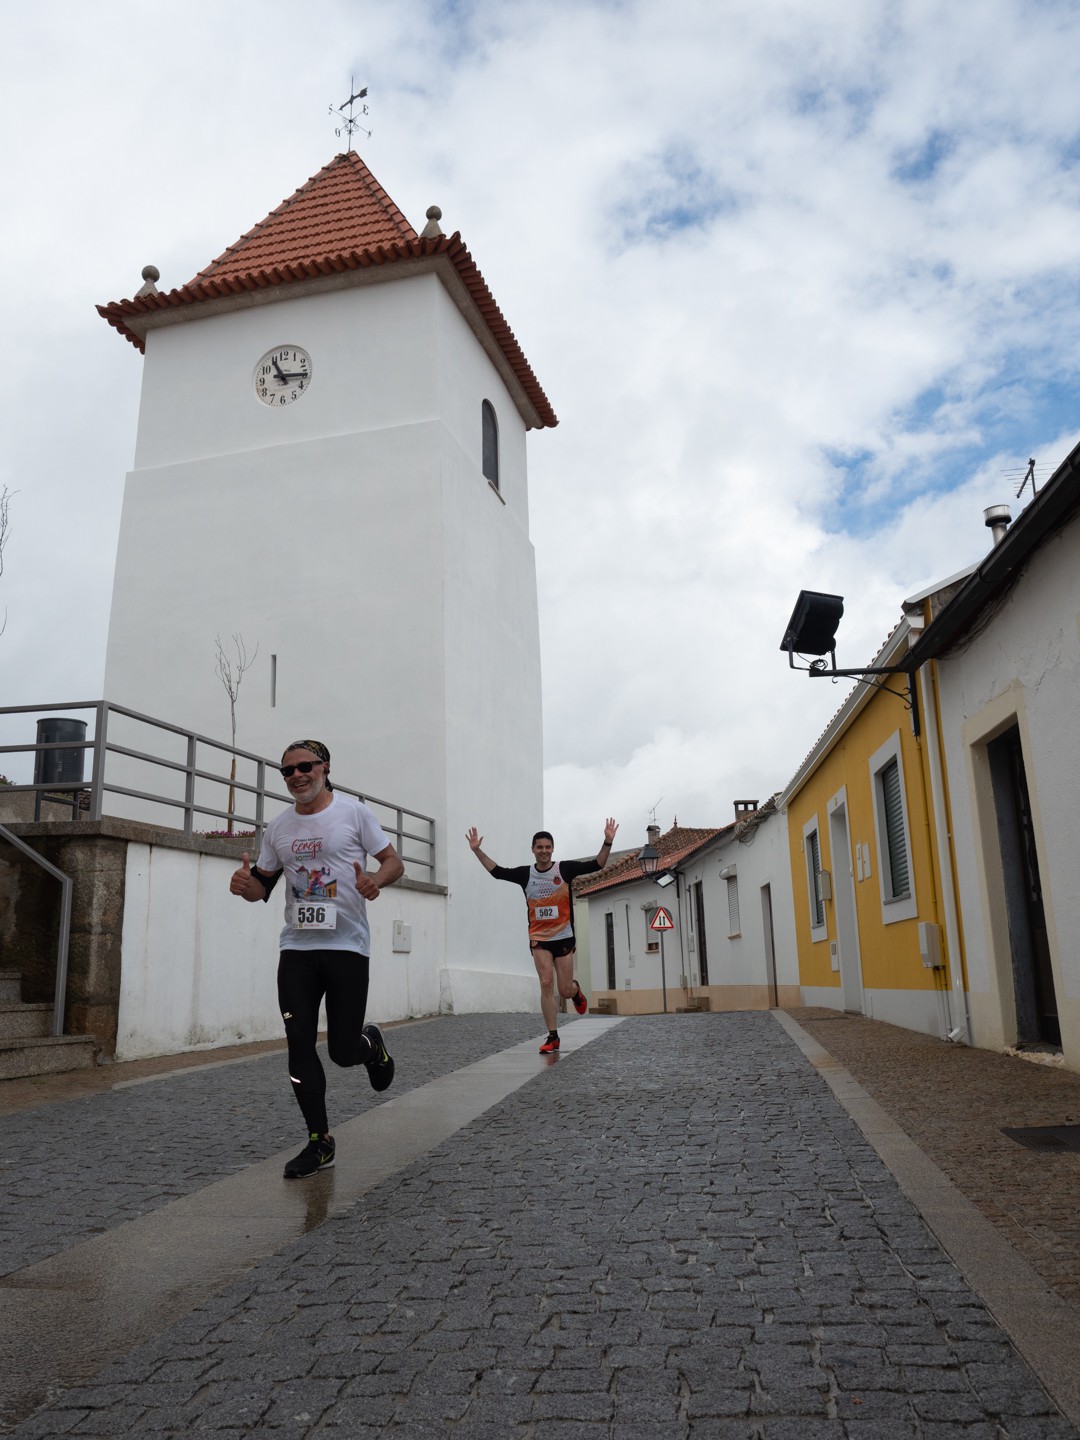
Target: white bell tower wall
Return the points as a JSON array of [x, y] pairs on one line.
[[353, 537]]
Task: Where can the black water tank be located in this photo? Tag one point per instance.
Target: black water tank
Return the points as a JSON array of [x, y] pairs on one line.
[[56, 767]]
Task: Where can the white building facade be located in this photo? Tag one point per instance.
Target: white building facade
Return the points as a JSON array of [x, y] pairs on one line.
[[1002, 664], [732, 942], [331, 464]]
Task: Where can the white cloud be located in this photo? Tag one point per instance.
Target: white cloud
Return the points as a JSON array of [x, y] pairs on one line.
[[799, 279]]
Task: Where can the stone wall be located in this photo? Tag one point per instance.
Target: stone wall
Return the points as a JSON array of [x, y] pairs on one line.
[[94, 855]]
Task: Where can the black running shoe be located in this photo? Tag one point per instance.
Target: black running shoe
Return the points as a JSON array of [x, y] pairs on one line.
[[317, 1154], [381, 1069]]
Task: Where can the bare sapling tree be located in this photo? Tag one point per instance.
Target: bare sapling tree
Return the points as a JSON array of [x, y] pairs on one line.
[[5, 536], [231, 673]]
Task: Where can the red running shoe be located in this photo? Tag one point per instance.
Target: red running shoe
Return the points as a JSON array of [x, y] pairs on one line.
[[550, 1045], [579, 1002]]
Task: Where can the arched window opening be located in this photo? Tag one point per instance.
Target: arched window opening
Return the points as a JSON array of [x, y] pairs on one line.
[[490, 443]]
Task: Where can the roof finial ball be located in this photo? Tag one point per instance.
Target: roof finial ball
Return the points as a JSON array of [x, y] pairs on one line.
[[432, 230], [151, 275]]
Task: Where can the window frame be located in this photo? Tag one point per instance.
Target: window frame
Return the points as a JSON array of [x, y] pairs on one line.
[[896, 905], [819, 928], [489, 425], [734, 917]]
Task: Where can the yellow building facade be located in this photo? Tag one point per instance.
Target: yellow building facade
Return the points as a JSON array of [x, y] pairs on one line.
[[865, 863]]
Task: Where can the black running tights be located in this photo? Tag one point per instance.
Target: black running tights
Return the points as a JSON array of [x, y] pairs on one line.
[[305, 978]]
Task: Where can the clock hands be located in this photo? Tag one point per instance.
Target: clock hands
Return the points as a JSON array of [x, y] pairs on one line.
[[286, 375]]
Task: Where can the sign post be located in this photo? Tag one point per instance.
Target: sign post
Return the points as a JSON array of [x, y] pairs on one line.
[[660, 922]]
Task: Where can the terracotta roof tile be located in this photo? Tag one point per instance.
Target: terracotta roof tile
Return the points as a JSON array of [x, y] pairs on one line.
[[341, 220], [676, 845], [341, 209]]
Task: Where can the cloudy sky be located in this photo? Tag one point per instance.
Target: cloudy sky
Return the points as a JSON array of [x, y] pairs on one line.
[[798, 276]]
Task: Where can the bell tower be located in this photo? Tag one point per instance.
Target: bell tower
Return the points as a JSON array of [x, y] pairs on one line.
[[330, 462]]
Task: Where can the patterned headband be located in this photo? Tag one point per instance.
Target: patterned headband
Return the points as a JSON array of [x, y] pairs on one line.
[[316, 747]]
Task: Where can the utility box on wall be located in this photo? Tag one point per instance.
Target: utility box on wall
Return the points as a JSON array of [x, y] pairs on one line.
[[930, 946]]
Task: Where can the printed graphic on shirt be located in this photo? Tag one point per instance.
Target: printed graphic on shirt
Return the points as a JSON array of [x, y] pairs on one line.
[[323, 908], [314, 884], [547, 895]]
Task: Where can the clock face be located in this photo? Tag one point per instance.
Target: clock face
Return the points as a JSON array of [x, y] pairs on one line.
[[282, 375]]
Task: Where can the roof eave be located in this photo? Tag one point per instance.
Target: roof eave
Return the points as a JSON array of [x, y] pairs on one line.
[[445, 256], [1053, 507]]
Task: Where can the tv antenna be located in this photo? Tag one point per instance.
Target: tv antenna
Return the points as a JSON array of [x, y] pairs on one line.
[[349, 122], [1029, 474], [652, 812]]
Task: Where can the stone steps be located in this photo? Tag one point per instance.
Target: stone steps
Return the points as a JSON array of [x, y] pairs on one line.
[[24, 1022], [26, 1047]]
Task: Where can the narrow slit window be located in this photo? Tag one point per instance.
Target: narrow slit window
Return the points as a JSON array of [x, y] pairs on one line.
[[490, 442]]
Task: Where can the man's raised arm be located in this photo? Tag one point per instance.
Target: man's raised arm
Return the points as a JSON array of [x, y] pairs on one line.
[[475, 841], [604, 853]]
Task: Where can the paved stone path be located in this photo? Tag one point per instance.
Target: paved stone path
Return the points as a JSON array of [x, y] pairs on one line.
[[80, 1168], [674, 1231], [955, 1103]]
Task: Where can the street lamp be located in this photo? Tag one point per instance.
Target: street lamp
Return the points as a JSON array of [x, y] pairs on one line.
[[649, 858], [812, 631]]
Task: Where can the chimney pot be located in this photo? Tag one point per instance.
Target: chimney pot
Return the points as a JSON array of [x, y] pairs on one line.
[[997, 519]]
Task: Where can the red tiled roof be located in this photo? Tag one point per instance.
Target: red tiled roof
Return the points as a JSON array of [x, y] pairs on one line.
[[341, 209], [341, 220], [676, 845]]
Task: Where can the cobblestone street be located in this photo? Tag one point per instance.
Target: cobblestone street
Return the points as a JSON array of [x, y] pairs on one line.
[[675, 1230]]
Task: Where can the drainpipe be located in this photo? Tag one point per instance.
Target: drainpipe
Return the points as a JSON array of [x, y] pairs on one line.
[[958, 1006]]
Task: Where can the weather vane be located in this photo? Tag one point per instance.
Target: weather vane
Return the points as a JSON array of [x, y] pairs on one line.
[[349, 122]]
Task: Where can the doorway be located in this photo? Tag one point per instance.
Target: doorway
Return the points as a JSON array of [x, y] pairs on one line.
[[770, 947], [1037, 1019], [843, 887]]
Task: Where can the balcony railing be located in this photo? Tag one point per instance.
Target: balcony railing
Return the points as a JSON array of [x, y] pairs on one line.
[[201, 791]]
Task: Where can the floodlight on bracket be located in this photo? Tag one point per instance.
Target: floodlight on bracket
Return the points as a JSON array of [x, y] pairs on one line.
[[812, 631]]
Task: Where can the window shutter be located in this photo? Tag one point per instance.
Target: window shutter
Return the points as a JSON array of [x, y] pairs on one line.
[[734, 928], [893, 802], [814, 856]]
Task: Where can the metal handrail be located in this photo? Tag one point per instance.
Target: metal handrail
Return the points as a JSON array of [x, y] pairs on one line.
[[101, 747], [63, 942]]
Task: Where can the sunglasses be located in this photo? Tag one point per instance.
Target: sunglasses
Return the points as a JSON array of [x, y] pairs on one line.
[[305, 767]]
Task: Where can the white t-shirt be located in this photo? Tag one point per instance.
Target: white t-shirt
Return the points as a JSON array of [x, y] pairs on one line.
[[323, 908]]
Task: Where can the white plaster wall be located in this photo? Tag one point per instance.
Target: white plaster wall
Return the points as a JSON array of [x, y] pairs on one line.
[[493, 709], [370, 348], [199, 966], [633, 960], [1025, 662], [923, 1010], [734, 962], [353, 537], [741, 960]]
